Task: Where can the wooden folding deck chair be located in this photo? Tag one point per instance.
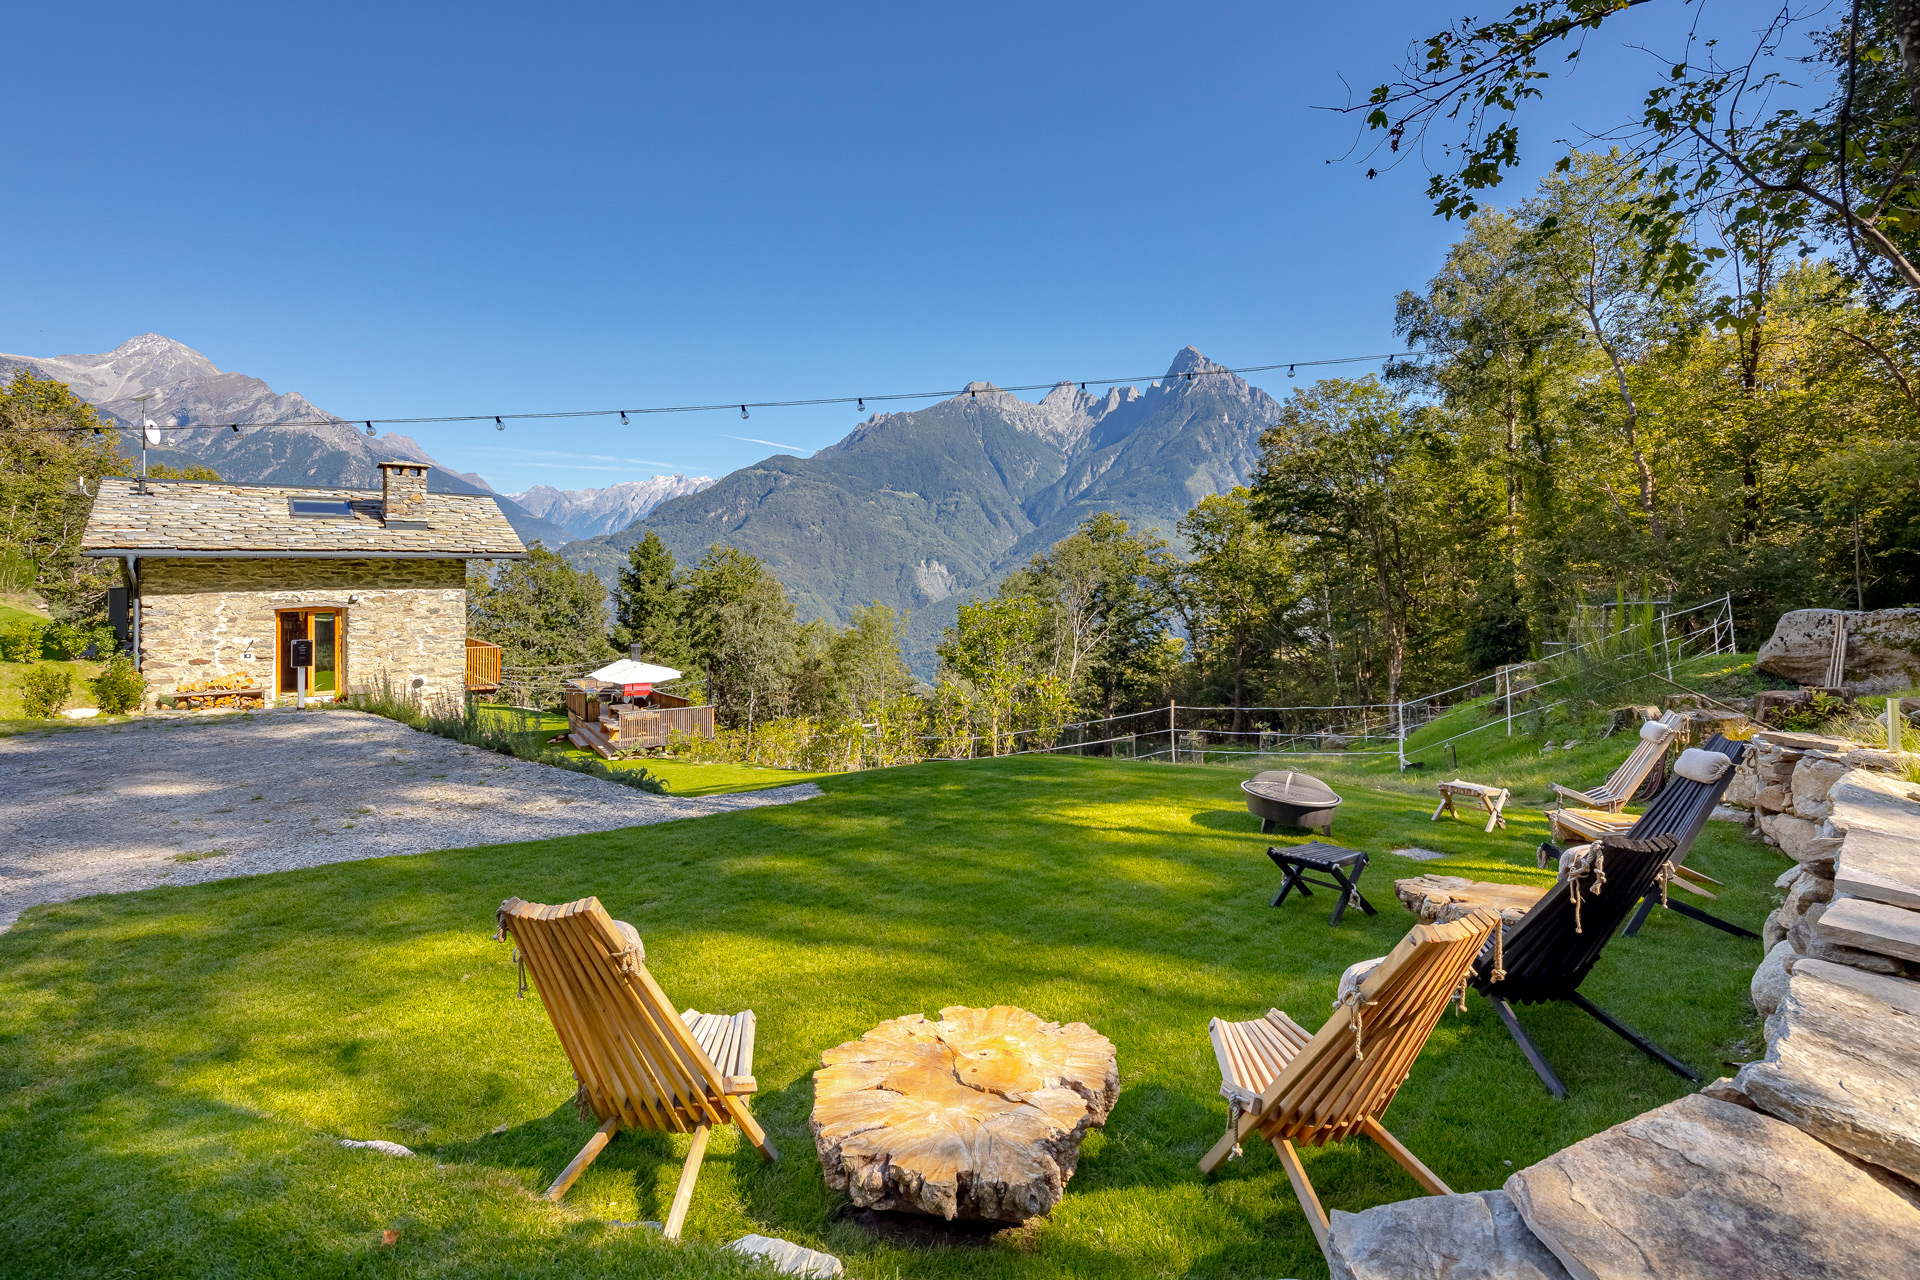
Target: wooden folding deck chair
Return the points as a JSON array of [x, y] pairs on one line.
[[1549, 952], [640, 1064], [1612, 795], [1294, 1088]]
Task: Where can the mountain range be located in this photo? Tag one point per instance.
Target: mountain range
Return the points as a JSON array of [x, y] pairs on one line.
[[916, 510], [190, 391], [586, 513]]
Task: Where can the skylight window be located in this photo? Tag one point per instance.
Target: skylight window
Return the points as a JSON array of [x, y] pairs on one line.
[[321, 508]]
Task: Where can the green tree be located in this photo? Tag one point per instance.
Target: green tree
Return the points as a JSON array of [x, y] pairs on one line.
[[650, 605], [53, 451], [1717, 142], [742, 635], [542, 613], [992, 646], [1237, 591], [1345, 468], [1104, 588]]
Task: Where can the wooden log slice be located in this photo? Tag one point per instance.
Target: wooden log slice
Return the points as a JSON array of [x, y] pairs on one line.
[[978, 1115], [1440, 899]]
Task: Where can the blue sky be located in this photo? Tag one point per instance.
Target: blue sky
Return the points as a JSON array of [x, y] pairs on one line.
[[400, 210]]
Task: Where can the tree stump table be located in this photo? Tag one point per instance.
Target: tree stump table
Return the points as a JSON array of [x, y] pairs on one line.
[[978, 1115]]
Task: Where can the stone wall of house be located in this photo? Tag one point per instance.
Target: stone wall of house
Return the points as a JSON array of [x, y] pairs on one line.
[[405, 619]]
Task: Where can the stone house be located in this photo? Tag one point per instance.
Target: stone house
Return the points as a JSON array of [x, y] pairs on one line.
[[220, 579]]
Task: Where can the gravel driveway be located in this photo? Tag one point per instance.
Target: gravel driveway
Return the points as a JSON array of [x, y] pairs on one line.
[[180, 801]]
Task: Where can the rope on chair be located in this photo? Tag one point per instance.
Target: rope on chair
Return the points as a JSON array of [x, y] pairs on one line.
[[502, 930], [1358, 1008]]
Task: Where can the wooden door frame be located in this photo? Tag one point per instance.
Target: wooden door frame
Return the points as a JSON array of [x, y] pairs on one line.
[[339, 649]]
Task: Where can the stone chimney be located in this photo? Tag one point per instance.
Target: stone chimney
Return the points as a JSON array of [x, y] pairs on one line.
[[403, 494]]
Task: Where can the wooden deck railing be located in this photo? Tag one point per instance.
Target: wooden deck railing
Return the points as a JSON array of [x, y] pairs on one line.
[[483, 666]]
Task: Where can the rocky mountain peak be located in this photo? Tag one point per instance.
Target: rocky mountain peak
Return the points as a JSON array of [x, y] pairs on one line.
[[1189, 360]]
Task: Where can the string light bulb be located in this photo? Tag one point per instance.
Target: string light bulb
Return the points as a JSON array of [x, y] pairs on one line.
[[623, 419], [236, 428], [1289, 371], [369, 428], [743, 412], [862, 404], [499, 425]]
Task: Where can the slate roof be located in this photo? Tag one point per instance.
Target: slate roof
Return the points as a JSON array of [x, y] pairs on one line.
[[198, 518]]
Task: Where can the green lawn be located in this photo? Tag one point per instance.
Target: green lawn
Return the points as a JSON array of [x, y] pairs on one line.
[[683, 778], [176, 1065], [12, 717]]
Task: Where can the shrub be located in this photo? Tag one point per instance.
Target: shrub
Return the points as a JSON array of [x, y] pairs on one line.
[[21, 641], [44, 690], [119, 688], [68, 639]]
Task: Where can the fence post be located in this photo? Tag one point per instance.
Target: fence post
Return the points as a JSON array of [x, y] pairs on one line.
[[1173, 735], [1400, 738], [1665, 647]]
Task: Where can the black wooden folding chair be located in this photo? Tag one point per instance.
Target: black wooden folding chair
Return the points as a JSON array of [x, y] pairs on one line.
[[1681, 811], [1328, 859], [1547, 953]]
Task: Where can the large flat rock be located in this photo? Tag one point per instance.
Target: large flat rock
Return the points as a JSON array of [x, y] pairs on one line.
[[1706, 1190], [1843, 1063], [1864, 800], [1870, 926], [1880, 858], [1464, 1237]]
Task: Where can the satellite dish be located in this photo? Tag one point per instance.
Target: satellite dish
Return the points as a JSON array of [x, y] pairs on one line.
[[152, 431]]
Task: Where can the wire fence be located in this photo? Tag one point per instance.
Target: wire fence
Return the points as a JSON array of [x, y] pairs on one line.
[[1193, 733]]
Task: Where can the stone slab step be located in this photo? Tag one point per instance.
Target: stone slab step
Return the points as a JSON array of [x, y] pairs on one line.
[[1701, 1189], [1843, 1063], [788, 1258], [1465, 1237], [1870, 926], [1881, 866]]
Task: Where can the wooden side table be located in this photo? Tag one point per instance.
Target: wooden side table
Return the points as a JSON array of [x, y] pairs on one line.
[[1492, 799], [1328, 859]]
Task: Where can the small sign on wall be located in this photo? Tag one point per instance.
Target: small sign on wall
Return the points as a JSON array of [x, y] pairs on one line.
[[302, 653]]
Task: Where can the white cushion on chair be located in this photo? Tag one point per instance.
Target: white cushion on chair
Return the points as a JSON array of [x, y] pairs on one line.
[[1355, 975], [1696, 765], [1655, 731]]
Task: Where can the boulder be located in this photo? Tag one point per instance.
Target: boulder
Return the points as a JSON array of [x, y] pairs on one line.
[[1770, 979], [1702, 1188], [1843, 1063], [1883, 647], [1477, 1236], [1740, 792], [1794, 836], [1772, 931], [1813, 777], [1806, 891], [1728, 813]]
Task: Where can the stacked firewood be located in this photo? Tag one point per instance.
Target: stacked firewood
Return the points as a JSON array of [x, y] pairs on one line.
[[213, 684]]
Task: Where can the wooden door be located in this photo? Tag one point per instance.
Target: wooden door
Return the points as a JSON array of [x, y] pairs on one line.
[[327, 629]]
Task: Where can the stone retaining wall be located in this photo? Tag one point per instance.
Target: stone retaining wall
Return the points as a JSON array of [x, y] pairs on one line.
[[405, 619], [1805, 1164]]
